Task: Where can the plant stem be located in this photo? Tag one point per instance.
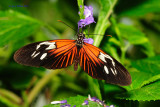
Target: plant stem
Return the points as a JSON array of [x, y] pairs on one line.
[[42, 82], [81, 8], [13, 97], [103, 22]]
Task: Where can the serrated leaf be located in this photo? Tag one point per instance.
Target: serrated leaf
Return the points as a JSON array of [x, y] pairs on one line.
[[15, 26], [146, 93], [133, 35], [147, 72], [77, 100], [146, 6]]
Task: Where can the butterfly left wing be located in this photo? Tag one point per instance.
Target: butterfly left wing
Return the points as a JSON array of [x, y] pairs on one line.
[[102, 66], [52, 54]]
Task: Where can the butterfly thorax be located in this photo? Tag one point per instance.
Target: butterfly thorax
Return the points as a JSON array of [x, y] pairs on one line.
[[79, 41]]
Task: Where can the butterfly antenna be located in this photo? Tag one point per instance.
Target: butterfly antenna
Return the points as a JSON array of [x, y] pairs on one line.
[[65, 24], [100, 35]]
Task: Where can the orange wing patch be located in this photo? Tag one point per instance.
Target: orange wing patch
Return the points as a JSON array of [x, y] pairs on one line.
[[89, 60], [62, 42], [63, 55]]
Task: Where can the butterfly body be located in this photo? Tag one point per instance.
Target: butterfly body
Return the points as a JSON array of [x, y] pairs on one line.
[[56, 54]]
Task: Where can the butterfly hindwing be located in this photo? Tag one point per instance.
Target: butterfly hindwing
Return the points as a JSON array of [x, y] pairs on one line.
[[49, 54], [100, 65]]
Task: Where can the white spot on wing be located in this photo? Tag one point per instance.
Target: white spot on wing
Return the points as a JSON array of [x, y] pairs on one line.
[[113, 71], [103, 58], [43, 56], [35, 54], [51, 45], [106, 69]]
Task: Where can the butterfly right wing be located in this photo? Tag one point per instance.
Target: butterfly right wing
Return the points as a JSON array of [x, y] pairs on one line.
[[52, 54], [100, 65]]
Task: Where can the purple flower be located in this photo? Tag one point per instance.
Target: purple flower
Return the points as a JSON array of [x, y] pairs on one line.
[[89, 40], [66, 105], [85, 102], [92, 98], [59, 102], [88, 13], [110, 106], [100, 102]]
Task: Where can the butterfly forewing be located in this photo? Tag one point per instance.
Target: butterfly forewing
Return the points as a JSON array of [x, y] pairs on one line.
[[100, 65], [57, 54], [49, 54]]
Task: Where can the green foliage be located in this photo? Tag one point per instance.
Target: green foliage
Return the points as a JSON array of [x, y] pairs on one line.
[[133, 35], [146, 93], [142, 8], [147, 71], [103, 22], [15, 26]]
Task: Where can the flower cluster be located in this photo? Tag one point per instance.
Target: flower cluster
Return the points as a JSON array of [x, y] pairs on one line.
[[62, 102], [94, 99], [88, 13], [86, 102]]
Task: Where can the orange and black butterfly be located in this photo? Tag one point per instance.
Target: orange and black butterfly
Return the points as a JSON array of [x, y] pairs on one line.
[[56, 54]]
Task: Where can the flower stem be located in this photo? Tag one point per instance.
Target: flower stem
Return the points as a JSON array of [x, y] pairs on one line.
[[42, 82], [11, 96]]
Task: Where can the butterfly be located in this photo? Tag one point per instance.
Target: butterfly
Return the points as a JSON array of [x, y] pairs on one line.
[[56, 54]]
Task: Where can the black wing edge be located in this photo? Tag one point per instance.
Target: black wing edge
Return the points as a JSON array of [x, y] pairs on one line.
[[123, 77], [23, 55]]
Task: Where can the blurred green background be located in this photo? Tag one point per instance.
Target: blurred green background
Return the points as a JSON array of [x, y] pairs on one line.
[[135, 29]]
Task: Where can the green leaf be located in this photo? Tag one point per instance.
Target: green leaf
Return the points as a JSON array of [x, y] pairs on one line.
[[149, 65], [103, 23], [146, 93], [149, 51], [77, 100], [15, 26], [133, 35], [136, 37], [7, 102], [146, 6], [147, 72], [10, 96]]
